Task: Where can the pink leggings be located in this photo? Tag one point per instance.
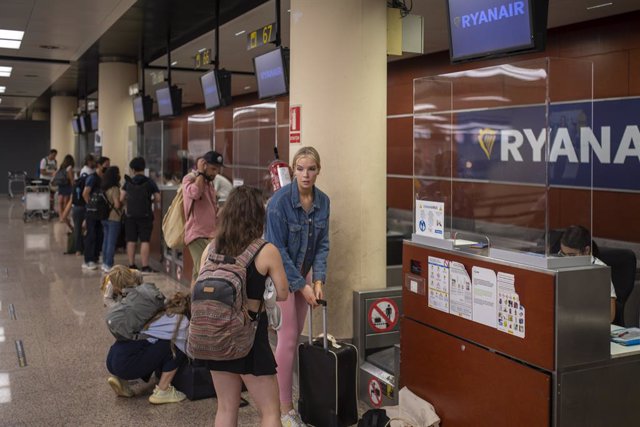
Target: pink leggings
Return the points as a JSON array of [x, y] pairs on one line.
[[294, 313]]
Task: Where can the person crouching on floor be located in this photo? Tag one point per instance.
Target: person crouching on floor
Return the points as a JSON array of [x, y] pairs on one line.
[[163, 350], [118, 278]]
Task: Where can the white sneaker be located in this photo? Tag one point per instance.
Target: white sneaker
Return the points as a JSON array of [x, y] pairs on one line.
[[170, 395], [105, 268], [89, 265], [292, 419]]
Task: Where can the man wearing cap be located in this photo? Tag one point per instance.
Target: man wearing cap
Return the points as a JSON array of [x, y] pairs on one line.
[[200, 206]]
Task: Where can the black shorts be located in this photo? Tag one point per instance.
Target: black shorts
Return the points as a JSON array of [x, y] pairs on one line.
[[138, 228], [260, 360]]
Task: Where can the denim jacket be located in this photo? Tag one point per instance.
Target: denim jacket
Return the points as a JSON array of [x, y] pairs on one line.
[[301, 237]]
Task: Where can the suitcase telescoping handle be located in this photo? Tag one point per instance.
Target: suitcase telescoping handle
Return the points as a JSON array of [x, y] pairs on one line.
[[323, 303]]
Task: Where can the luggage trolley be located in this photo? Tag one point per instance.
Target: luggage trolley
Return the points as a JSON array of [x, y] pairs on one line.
[[37, 202], [16, 177]]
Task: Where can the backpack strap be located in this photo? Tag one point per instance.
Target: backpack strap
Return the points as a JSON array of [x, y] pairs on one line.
[[246, 258]]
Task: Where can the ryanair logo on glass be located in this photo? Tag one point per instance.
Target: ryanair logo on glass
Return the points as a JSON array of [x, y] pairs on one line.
[[487, 138], [491, 14], [513, 143]]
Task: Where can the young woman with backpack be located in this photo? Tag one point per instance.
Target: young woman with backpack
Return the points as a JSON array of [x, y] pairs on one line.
[[240, 226], [63, 179], [111, 226]]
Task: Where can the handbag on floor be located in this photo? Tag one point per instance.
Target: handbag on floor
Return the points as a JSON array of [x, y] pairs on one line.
[[194, 381]]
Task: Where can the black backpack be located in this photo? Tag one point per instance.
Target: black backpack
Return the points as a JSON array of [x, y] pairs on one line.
[[374, 418], [138, 198], [78, 188], [60, 178], [98, 207]]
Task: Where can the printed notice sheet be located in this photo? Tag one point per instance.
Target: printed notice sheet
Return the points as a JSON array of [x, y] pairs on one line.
[[461, 303], [484, 296], [511, 313], [438, 296], [430, 219]]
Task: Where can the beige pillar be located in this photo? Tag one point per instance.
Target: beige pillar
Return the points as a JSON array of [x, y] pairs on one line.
[[62, 136], [339, 78], [115, 113]]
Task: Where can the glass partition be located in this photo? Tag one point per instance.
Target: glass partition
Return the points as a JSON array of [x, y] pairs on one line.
[[200, 131], [211, 131], [257, 129], [162, 144], [494, 148]]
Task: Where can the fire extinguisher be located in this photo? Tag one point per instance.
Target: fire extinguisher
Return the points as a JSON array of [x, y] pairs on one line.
[[279, 171]]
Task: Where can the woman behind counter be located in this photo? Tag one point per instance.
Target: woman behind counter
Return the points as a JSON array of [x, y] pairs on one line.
[[576, 241], [298, 225]]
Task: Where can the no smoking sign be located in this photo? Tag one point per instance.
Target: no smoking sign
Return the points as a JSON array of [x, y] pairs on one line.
[[383, 315]]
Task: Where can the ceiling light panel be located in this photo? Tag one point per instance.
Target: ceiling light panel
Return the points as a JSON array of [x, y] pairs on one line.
[[10, 44], [11, 35]]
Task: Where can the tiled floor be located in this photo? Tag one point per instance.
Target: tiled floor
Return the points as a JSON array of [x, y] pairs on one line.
[[59, 319]]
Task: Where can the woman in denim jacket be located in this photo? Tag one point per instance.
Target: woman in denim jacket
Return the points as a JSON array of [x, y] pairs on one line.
[[298, 225]]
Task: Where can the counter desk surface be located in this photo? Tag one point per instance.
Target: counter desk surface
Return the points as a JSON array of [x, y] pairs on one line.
[[618, 350]]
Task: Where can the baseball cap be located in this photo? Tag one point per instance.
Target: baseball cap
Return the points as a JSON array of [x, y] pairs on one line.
[[213, 158]]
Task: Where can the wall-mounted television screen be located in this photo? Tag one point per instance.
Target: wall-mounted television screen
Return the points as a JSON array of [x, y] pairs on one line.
[[142, 108], [169, 101], [75, 124], [271, 73], [85, 123], [484, 29], [94, 120], [216, 88]]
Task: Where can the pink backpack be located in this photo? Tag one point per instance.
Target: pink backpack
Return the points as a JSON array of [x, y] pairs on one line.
[[220, 327]]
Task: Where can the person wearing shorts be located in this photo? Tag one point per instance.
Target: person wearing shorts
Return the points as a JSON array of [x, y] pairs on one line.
[[138, 193]]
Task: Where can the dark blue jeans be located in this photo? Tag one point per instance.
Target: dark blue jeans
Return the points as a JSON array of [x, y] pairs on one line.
[[92, 241], [111, 231], [131, 360]]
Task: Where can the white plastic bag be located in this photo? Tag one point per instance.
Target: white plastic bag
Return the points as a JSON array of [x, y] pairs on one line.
[[412, 411]]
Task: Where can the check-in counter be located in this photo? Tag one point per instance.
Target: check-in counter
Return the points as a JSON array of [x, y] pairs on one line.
[[560, 370]]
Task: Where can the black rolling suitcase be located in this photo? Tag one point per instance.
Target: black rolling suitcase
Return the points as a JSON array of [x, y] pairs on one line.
[[328, 374]]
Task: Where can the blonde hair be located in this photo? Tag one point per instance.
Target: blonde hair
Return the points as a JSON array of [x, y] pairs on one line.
[[121, 277], [309, 152]]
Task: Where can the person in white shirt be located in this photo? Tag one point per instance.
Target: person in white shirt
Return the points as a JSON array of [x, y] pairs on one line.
[[576, 241], [48, 166], [223, 187]]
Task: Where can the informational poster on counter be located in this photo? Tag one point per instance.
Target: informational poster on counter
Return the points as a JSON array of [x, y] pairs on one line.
[[430, 219], [484, 284], [511, 313], [438, 284], [460, 296], [485, 297]]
